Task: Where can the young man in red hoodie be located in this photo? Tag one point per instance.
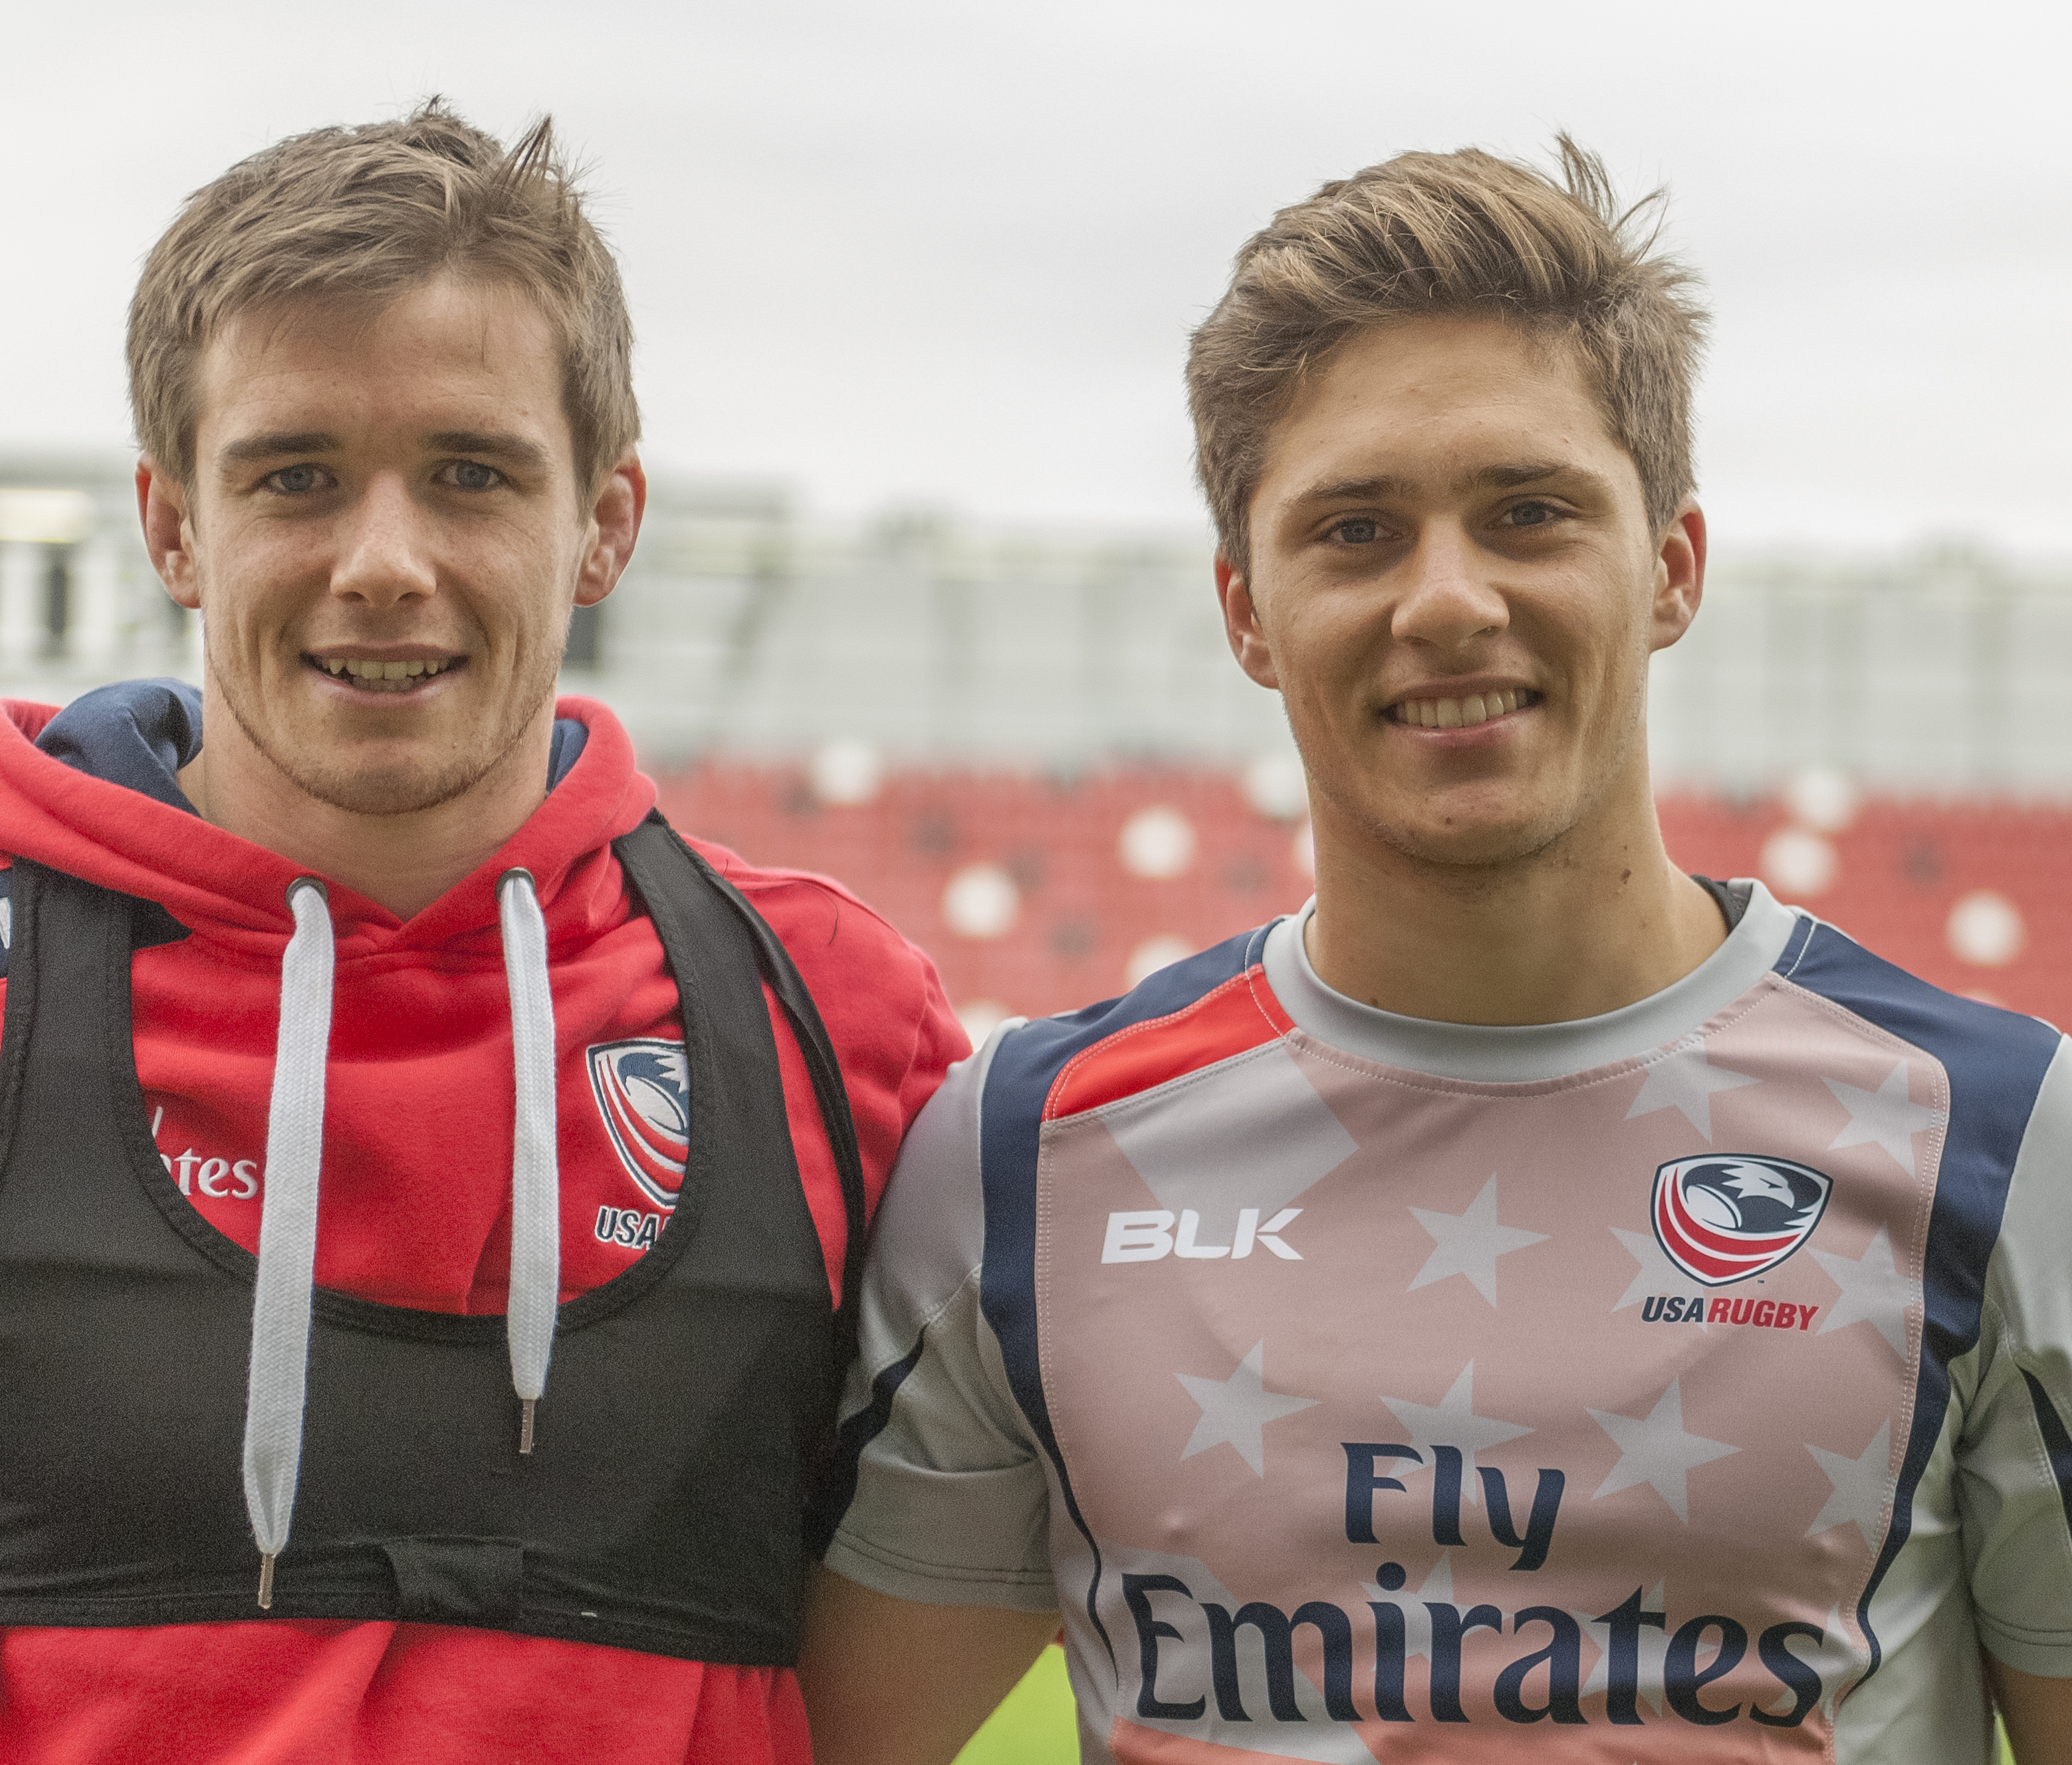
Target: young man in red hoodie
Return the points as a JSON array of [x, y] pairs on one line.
[[427, 1187]]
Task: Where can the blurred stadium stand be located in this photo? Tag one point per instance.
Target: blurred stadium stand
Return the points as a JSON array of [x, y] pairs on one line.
[[1023, 887], [1032, 752]]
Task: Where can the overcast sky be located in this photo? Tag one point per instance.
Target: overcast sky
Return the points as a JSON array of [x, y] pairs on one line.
[[948, 254]]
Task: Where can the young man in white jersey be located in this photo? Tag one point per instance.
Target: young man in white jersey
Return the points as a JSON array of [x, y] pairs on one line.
[[1532, 1303]]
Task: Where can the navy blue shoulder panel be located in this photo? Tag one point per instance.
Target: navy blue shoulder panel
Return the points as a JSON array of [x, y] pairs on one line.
[[1996, 1061], [1025, 1066]]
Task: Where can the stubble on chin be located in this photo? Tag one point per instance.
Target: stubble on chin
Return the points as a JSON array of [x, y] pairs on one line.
[[410, 788], [1543, 824], [1491, 854], [1480, 850]]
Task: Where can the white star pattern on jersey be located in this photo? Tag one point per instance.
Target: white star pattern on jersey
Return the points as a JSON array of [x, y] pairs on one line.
[[1657, 1451], [1884, 1118], [1656, 1271], [1654, 1647], [1682, 1080], [1699, 1514], [1469, 1243], [1859, 1486], [1873, 1291], [1236, 1411], [1454, 1421]]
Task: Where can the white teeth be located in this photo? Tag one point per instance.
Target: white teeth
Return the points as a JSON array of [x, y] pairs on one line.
[[1456, 714], [382, 677]]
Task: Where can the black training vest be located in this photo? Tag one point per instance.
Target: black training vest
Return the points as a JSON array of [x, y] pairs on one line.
[[663, 1507]]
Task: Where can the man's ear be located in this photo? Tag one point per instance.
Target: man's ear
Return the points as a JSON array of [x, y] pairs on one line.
[[1241, 626], [1679, 574], [162, 505], [614, 524]]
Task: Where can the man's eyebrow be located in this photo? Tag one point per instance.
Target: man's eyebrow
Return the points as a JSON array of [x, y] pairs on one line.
[[1527, 472], [497, 443], [1352, 489], [1507, 477], [273, 444]]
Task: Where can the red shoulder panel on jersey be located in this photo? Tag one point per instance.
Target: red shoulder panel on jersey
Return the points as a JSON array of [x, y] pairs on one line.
[[1239, 1015]]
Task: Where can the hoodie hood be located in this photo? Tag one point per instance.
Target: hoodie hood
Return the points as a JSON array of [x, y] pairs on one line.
[[92, 791], [96, 794]]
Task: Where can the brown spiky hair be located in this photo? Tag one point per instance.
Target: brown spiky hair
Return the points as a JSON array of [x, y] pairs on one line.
[[361, 216], [1451, 235]]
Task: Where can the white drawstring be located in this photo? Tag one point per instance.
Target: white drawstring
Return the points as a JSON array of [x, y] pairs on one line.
[[288, 1230], [536, 1201], [276, 1392]]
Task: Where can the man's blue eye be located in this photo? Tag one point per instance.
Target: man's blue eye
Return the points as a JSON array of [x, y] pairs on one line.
[[470, 475], [296, 480], [1357, 532], [1531, 514]]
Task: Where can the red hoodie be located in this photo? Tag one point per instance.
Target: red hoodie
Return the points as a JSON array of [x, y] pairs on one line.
[[419, 1084]]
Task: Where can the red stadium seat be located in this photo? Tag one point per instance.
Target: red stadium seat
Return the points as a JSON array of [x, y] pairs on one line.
[[1900, 869]]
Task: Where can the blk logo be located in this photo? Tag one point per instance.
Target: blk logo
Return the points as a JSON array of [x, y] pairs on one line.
[[644, 1093], [1727, 1216], [1149, 1234]]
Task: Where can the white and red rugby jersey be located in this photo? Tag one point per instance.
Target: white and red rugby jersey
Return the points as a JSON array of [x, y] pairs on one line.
[[1686, 1384]]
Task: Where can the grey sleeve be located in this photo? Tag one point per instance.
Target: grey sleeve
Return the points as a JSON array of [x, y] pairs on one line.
[[2014, 1458], [951, 1505]]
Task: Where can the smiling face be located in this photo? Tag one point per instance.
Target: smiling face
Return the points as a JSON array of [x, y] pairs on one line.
[[1454, 585], [384, 535]]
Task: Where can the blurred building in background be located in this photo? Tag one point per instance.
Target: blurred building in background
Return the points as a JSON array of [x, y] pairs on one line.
[[1032, 753], [79, 603]]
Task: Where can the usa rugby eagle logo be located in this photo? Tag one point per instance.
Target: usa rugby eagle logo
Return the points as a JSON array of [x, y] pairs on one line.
[[643, 1091], [1726, 1216]]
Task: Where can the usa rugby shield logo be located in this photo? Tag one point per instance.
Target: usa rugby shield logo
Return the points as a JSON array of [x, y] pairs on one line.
[[1726, 1216], [643, 1091]]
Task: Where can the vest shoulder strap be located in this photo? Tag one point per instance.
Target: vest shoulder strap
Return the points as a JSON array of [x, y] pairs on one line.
[[149, 923], [655, 857]]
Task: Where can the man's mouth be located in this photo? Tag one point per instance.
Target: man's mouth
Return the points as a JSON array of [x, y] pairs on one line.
[[1462, 713], [367, 675]]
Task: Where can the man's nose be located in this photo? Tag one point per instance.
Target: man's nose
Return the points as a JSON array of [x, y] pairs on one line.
[[1448, 599], [385, 554]]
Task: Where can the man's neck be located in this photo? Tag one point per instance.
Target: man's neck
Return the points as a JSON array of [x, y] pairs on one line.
[[404, 862], [1567, 933]]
